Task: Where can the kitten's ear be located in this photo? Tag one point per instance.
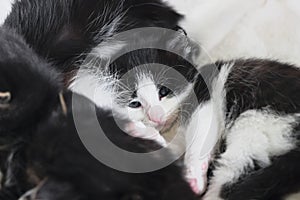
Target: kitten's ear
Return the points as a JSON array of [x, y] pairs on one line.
[[154, 13]]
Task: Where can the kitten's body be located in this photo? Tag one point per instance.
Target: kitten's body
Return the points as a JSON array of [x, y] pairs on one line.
[[259, 141], [234, 29], [255, 118]]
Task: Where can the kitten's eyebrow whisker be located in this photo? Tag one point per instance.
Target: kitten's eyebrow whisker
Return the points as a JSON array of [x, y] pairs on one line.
[[63, 104]]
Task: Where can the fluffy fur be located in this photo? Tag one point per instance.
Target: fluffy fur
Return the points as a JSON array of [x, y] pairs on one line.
[[141, 80], [40, 147], [252, 102], [64, 31], [64, 169], [260, 132]]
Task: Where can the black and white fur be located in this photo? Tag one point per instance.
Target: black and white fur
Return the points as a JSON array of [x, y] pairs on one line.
[[243, 92], [63, 32], [256, 114], [62, 168], [40, 147], [258, 152]]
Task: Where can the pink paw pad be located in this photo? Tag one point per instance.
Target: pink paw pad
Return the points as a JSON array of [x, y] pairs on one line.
[[194, 185], [205, 166]]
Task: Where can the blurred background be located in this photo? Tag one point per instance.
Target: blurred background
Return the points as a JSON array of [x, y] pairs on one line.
[[5, 6]]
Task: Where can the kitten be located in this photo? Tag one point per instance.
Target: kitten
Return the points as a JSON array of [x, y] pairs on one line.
[[40, 146], [153, 88], [65, 38], [234, 101]]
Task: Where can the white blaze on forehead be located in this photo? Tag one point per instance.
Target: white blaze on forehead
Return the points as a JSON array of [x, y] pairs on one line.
[[147, 91]]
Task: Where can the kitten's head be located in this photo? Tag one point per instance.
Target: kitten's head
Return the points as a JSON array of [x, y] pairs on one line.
[[155, 87], [25, 83]]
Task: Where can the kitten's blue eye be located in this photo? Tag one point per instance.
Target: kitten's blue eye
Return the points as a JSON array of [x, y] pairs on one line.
[[135, 104], [164, 91]]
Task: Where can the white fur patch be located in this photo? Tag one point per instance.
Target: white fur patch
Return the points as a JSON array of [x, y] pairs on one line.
[[255, 135], [206, 127], [96, 88], [105, 50], [202, 132], [218, 95], [201, 137]]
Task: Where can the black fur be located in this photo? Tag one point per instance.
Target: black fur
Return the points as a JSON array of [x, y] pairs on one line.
[[40, 145], [64, 31], [58, 156], [264, 84], [272, 183], [32, 86], [256, 84]]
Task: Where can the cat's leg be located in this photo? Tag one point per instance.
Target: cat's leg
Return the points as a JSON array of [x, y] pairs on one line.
[[201, 136], [138, 129], [196, 173], [275, 182]]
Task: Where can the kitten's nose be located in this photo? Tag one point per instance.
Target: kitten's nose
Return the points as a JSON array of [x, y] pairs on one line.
[[156, 114]]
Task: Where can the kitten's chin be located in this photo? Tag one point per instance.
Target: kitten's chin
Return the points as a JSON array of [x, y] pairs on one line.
[[168, 124]]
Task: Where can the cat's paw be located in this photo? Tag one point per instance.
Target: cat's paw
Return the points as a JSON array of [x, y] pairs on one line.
[[196, 174], [138, 129], [197, 182]]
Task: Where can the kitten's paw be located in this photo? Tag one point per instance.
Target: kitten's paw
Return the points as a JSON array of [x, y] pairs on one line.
[[138, 129], [197, 174], [198, 183]]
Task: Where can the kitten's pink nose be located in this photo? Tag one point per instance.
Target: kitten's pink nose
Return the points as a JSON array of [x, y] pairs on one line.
[[156, 114]]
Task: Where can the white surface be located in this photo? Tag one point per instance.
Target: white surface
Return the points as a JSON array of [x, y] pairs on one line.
[[5, 7], [229, 29]]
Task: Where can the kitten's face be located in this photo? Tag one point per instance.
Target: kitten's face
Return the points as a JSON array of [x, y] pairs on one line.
[[154, 84], [155, 101]]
